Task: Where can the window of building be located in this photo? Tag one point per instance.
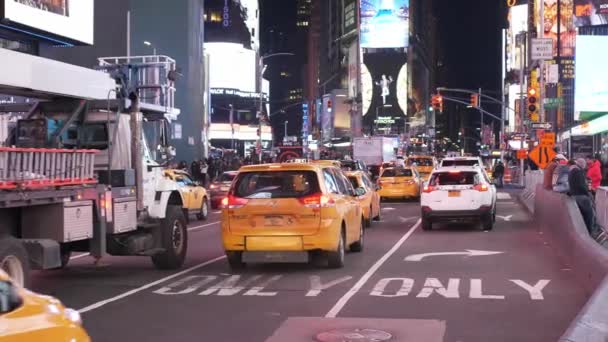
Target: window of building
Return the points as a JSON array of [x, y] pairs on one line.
[[214, 17]]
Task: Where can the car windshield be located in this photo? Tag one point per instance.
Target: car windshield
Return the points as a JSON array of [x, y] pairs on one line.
[[460, 162], [420, 161], [453, 178], [227, 177], [354, 181], [397, 173], [273, 184]]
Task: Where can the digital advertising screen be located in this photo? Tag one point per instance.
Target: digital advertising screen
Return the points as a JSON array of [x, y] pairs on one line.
[[71, 20], [591, 12], [591, 90], [561, 25], [231, 66], [385, 23]]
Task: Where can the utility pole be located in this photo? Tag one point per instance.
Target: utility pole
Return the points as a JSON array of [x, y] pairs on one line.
[[262, 68], [481, 122]]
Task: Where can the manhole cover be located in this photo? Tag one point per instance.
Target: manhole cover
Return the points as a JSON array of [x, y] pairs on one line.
[[353, 335]]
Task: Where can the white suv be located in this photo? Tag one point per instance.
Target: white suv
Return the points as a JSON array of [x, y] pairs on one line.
[[458, 193], [461, 161]]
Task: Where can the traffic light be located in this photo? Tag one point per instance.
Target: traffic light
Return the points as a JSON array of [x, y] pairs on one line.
[[475, 100], [533, 104], [437, 102]]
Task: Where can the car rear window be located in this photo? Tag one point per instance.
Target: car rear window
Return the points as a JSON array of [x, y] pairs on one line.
[[354, 181], [464, 162], [277, 184], [397, 173], [453, 178], [227, 177], [420, 161]]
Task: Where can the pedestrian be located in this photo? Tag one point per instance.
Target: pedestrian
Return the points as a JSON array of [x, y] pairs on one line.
[[499, 173], [561, 183], [579, 190], [594, 173], [203, 169], [548, 175], [195, 171], [183, 166]]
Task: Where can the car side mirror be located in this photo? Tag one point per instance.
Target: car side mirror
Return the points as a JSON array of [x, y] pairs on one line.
[[360, 191]]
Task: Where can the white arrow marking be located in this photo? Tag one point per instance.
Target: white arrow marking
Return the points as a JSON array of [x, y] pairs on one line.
[[506, 218], [406, 219], [469, 253]]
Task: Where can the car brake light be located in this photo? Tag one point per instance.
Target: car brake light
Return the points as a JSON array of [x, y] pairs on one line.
[[317, 201], [233, 202], [481, 187], [214, 186], [428, 189], [454, 171]]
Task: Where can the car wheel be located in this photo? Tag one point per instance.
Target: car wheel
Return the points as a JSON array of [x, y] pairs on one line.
[[204, 214], [335, 259], [357, 246], [494, 215], [235, 259], [427, 224], [487, 222], [379, 216], [368, 220], [174, 240], [15, 261]]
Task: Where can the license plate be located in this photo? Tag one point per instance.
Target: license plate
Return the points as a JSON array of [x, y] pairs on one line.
[[453, 193], [274, 221]]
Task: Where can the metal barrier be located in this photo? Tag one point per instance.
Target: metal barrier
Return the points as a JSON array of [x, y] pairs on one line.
[[531, 180], [32, 168]]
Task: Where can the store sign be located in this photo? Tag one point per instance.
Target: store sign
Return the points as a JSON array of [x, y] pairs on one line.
[[235, 92], [386, 120], [350, 15], [226, 14], [542, 49]]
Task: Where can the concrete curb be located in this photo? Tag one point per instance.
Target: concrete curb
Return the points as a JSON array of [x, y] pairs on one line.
[[560, 220]]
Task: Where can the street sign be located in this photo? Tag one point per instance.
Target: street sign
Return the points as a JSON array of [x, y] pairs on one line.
[[541, 125], [522, 154], [548, 140], [542, 155], [542, 49]]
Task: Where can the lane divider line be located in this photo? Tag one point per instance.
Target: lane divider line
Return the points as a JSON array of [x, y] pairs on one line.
[[190, 229], [348, 295], [147, 286]]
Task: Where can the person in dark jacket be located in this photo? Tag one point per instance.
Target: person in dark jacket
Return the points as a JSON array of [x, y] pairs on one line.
[[499, 173], [579, 190]]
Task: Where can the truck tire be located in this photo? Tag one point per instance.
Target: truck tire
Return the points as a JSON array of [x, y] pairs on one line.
[[427, 224], [15, 261], [174, 239], [204, 214]]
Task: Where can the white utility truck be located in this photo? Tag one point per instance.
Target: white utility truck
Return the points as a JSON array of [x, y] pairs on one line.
[[77, 173], [373, 150]]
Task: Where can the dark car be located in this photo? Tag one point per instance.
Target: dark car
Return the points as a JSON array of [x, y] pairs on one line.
[[219, 188]]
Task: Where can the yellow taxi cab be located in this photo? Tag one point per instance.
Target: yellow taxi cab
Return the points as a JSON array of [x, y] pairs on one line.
[[370, 200], [286, 212], [194, 197], [26, 316], [334, 163], [424, 164], [398, 182]]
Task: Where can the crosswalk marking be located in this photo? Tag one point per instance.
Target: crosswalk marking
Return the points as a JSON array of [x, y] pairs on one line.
[[503, 196]]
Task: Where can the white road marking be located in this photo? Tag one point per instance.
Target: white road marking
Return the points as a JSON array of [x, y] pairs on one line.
[[434, 285], [191, 229], [195, 228], [506, 218], [534, 290], [388, 208], [406, 287], [476, 291], [469, 253], [78, 256], [503, 196], [147, 286], [348, 295], [316, 287], [406, 219]]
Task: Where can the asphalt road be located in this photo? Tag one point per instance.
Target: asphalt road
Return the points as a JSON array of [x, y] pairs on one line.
[[455, 283]]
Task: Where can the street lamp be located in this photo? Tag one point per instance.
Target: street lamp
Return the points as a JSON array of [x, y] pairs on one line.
[[262, 68], [147, 43]]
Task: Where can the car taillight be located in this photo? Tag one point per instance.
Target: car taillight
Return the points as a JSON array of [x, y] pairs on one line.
[[481, 187], [317, 201], [233, 202], [428, 189]]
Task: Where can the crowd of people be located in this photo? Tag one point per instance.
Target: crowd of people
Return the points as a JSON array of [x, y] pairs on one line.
[[579, 178]]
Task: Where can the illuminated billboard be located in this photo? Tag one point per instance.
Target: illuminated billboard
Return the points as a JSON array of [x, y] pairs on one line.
[[65, 21], [566, 29], [231, 66], [385, 23], [591, 12], [591, 91]]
